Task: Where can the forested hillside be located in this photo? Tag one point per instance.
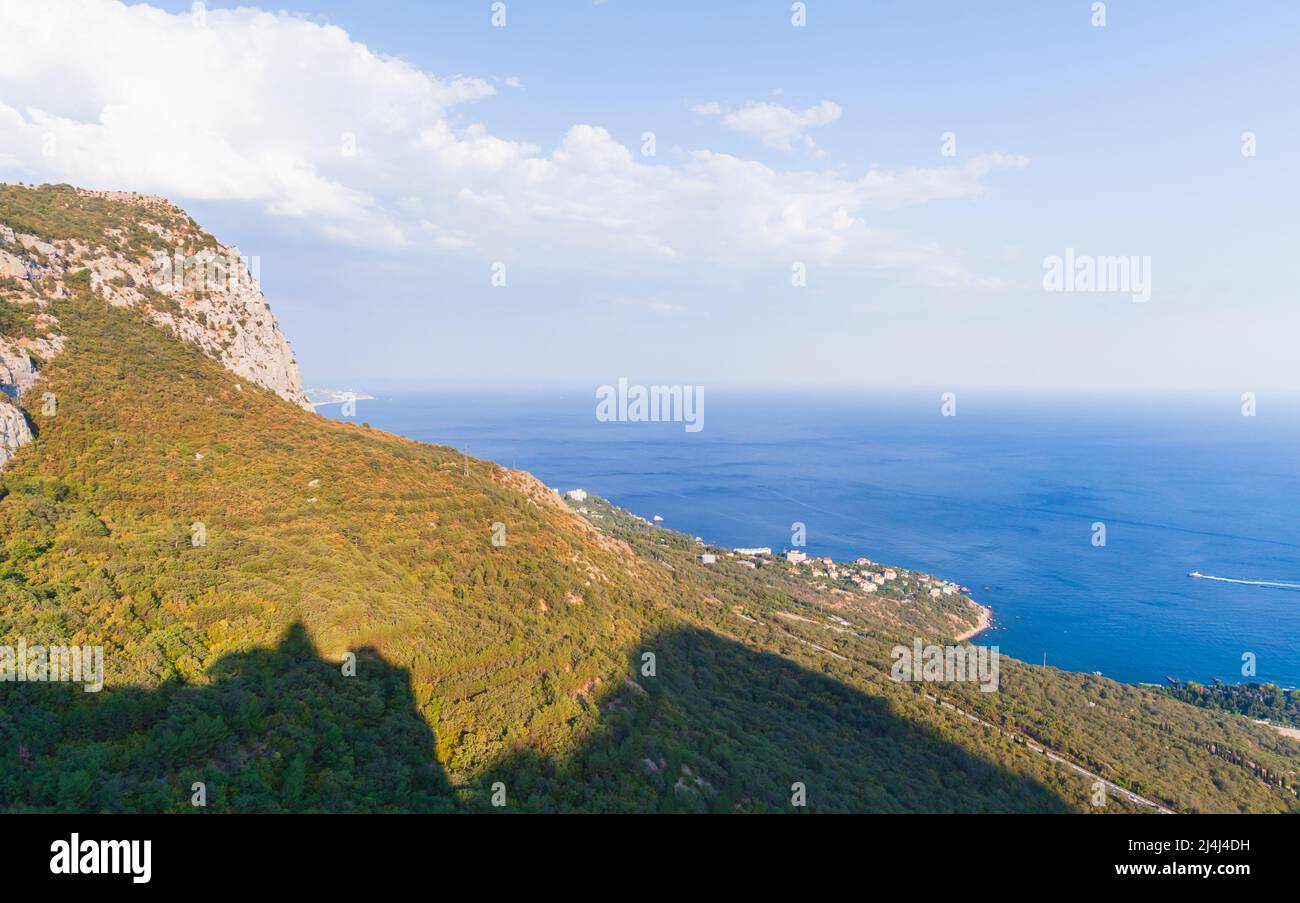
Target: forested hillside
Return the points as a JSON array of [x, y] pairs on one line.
[[229, 549]]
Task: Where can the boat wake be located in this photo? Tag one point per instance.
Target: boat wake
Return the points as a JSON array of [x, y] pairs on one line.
[[1201, 576]]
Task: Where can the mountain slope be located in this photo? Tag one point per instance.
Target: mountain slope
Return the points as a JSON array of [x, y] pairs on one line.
[[229, 549]]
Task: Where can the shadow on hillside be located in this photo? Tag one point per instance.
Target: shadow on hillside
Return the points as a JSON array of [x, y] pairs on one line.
[[720, 728], [277, 730]]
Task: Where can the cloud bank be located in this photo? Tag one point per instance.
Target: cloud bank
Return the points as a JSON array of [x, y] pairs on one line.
[[298, 119]]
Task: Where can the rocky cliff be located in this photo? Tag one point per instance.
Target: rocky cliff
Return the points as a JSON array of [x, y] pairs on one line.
[[132, 251], [14, 431]]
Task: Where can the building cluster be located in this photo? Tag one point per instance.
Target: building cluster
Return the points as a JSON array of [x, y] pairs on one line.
[[866, 575], [863, 573], [936, 587]]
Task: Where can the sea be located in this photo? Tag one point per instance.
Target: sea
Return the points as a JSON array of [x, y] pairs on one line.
[[1077, 518]]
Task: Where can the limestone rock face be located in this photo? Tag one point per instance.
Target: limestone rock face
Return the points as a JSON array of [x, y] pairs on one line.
[[17, 374], [17, 369], [15, 432], [207, 296], [218, 306], [202, 291]]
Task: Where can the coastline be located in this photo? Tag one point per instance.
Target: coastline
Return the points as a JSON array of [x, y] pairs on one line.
[[583, 462], [985, 622], [565, 450]]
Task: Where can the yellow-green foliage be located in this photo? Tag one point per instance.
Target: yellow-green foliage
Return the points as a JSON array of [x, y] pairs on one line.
[[475, 663], [63, 213]]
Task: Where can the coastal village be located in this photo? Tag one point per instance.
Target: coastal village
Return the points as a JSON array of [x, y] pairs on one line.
[[862, 576]]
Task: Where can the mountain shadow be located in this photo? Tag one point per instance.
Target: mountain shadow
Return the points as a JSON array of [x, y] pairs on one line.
[[276, 730], [720, 727]]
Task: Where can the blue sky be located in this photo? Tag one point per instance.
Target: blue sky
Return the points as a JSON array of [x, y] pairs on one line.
[[1119, 140]]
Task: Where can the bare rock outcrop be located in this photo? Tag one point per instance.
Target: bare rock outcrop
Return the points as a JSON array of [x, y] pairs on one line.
[[17, 370], [202, 291], [210, 298], [15, 431]]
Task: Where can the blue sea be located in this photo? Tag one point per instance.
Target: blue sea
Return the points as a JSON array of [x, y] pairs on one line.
[[1002, 498]]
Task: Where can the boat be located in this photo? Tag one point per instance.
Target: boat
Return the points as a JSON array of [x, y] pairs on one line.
[[1194, 574]]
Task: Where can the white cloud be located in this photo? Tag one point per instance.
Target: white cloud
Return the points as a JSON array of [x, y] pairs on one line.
[[297, 118], [778, 126], [711, 108]]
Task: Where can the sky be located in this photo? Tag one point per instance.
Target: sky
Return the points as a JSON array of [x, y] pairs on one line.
[[708, 193]]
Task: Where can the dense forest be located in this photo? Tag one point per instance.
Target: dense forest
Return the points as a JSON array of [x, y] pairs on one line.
[[306, 615], [1258, 701]]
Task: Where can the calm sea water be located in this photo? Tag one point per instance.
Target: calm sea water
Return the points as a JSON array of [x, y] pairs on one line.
[[1001, 498]]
